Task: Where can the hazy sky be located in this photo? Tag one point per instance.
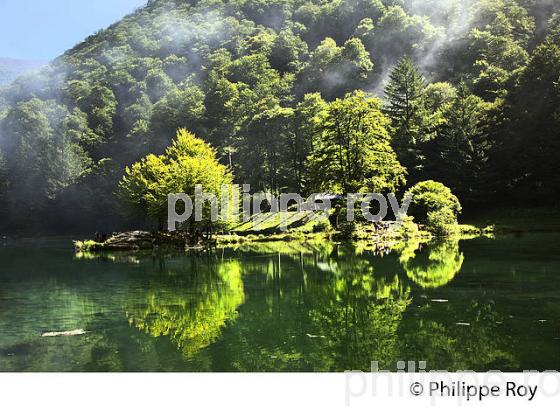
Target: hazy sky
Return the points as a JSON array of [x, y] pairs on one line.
[[44, 29]]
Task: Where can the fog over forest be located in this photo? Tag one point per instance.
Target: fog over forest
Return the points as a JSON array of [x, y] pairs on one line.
[[467, 91]]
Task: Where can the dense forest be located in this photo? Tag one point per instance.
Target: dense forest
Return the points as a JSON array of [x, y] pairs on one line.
[[295, 96]]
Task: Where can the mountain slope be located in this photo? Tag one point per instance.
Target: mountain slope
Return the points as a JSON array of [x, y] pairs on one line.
[[236, 73]]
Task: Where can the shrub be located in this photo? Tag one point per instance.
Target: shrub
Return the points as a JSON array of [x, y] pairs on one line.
[[442, 222], [434, 205]]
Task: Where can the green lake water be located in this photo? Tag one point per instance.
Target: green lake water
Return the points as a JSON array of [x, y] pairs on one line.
[[479, 304]]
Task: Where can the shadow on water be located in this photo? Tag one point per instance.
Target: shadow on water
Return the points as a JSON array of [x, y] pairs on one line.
[[282, 307]]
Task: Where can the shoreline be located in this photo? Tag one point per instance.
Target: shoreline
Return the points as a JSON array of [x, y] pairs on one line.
[[162, 240]]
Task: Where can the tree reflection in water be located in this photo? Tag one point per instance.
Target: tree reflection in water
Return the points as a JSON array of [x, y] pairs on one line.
[[360, 317], [438, 268], [320, 307], [192, 309]]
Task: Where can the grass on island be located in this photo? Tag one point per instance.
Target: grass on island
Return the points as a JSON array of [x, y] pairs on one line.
[[301, 221]]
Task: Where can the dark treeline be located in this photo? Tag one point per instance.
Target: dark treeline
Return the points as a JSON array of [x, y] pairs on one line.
[[295, 95]]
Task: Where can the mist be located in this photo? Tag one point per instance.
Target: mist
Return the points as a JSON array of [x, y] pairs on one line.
[[122, 93]]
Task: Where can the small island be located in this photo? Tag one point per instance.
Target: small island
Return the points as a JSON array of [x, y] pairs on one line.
[[190, 163]]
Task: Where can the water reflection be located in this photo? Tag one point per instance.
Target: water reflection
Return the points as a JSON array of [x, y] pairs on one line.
[[470, 345], [189, 309], [319, 307], [436, 268], [260, 307]]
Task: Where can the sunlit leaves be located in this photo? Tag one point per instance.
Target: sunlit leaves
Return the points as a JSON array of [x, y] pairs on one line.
[[188, 162]]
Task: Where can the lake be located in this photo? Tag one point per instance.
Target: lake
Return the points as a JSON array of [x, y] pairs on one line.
[[477, 304]]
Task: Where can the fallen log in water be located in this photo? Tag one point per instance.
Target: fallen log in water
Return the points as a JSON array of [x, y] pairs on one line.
[[76, 332]]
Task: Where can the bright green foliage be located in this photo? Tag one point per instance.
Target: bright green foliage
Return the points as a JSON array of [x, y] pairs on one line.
[[288, 51], [443, 264], [100, 102], [438, 98], [309, 116], [352, 152], [504, 56], [504, 18], [554, 28], [179, 108], [242, 96], [442, 222], [438, 95], [434, 205], [188, 162], [195, 319], [398, 33]]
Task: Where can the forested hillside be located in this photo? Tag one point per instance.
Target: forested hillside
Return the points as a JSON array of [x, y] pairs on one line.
[[465, 92]]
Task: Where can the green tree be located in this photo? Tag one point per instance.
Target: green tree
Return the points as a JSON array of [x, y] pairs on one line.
[[464, 145], [187, 162], [406, 108], [266, 146], [352, 150], [308, 116], [494, 47], [397, 34], [42, 152], [553, 29], [288, 52], [239, 90], [334, 70], [101, 106], [158, 84], [180, 108], [531, 134]]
